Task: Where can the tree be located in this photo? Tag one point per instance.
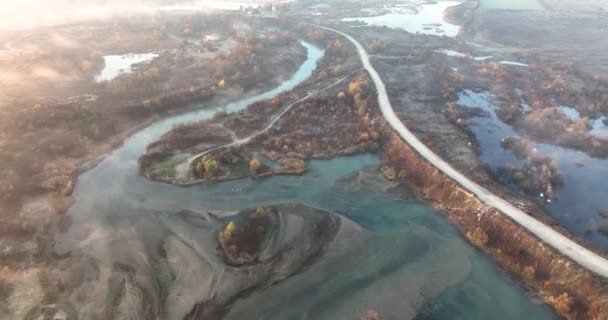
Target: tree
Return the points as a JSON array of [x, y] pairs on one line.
[[255, 166], [562, 303], [354, 88], [226, 235], [211, 167]]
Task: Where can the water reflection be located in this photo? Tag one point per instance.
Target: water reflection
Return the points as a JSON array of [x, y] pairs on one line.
[[583, 190]]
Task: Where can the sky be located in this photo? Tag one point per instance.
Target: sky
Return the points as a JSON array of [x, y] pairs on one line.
[[25, 14]]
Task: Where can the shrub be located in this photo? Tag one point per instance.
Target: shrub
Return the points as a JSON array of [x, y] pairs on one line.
[[211, 167], [255, 166], [562, 303]]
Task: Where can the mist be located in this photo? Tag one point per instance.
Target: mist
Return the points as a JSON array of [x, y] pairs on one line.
[[27, 14]]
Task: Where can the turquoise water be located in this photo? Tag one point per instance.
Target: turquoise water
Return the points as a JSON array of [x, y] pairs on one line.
[[482, 292], [397, 257]]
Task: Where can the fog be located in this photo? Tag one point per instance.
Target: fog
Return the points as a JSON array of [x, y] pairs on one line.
[[26, 14]]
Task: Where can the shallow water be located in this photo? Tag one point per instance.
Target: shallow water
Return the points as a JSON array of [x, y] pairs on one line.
[[115, 65], [583, 192], [426, 19], [401, 247]]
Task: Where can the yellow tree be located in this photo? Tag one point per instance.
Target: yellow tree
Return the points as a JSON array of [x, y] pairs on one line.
[[211, 167], [226, 235], [255, 166]]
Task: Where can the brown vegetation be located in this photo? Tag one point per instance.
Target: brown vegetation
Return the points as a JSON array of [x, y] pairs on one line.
[[242, 243], [538, 175], [520, 147], [318, 128]]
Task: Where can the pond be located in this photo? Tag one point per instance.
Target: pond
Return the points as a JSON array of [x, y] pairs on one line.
[[583, 192], [416, 18], [116, 65]]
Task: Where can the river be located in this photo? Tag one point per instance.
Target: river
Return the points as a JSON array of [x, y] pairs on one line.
[[397, 257]]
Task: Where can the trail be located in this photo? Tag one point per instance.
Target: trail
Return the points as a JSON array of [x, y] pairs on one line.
[[558, 241], [270, 124]]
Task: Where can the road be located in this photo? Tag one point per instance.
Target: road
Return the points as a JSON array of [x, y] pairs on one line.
[[553, 238]]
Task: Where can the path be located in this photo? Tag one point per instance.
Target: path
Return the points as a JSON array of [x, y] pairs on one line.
[[272, 122]]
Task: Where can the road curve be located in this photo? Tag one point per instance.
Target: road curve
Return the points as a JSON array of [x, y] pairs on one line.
[[561, 243]]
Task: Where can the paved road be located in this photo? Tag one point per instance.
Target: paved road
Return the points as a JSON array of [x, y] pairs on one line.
[[561, 243]]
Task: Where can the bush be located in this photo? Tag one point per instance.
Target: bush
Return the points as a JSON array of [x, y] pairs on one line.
[[254, 166], [211, 167]]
